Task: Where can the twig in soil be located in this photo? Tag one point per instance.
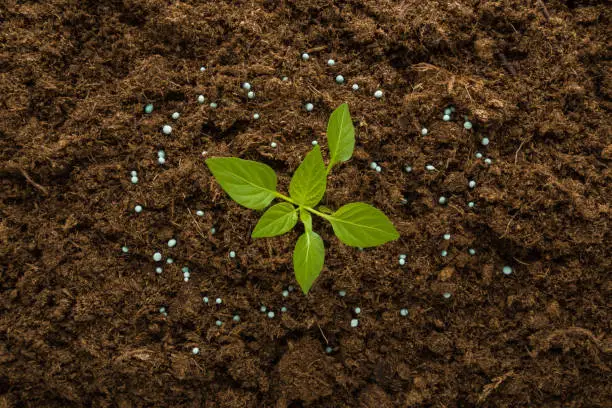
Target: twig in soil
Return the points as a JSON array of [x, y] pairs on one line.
[[459, 211], [197, 364], [417, 87], [506, 64], [423, 66], [75, 244], [196, 224], [489, 388], [42, 189], [544, 9], [508, 225], [316, 49], [315, 90], [323, 334], [468, 92], [521, 262], [517, 151]]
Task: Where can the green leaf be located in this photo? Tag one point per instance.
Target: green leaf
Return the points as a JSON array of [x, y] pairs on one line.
[[309, 180], [277, 220], [340, 135], [361, 225], [308, 258], [306, 219], [249, 183]]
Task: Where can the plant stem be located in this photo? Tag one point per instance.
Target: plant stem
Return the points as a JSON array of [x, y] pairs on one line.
[[284, 197], [312, 210], [320, 214]]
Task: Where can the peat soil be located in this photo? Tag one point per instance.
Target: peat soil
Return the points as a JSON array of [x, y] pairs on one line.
[[79, 319]]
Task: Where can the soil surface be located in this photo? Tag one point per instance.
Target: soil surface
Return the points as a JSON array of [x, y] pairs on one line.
[[80, 321]]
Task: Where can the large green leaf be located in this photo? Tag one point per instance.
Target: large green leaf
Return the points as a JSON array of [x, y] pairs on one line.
[[309, 180], [249, 183], [340, 135], [308, 258], [361, 225], [277, 220]]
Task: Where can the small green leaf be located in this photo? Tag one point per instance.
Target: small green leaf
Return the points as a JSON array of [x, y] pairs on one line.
[[306, 219], [361, 225], [277, 220], [340, 135], [308, 259], [309, 180], [249, 183]]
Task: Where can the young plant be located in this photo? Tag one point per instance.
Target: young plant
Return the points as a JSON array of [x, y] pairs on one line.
[[253, 185]]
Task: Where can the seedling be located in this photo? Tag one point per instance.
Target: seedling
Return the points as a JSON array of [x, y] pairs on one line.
[[253, 185]]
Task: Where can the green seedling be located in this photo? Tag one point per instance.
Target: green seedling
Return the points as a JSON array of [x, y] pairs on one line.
[[253, 185]]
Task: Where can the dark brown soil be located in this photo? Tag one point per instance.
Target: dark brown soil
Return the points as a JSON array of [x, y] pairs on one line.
[[79, 320]]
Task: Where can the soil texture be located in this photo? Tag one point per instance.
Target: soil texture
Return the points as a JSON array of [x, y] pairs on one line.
[[80, 321]]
